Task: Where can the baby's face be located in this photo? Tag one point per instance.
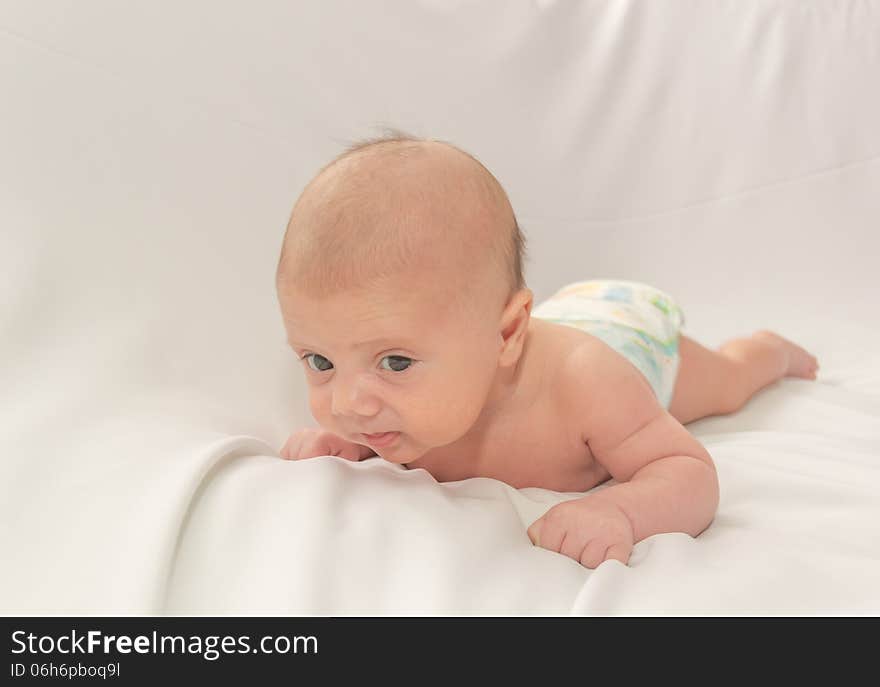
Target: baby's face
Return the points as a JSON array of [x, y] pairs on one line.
[[394, 358]]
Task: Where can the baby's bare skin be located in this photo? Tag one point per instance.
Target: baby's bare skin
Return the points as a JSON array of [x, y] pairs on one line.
[[527, 442], [524, 444], [545, 416], [406, 364]]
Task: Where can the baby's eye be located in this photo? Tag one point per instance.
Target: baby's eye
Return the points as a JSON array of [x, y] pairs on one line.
[[396, 363], [317, 362]]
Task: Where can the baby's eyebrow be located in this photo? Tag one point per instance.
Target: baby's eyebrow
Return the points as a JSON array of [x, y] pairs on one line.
[[384, 341]]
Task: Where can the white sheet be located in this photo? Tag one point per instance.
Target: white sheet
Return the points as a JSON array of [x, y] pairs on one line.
[[149, 157]]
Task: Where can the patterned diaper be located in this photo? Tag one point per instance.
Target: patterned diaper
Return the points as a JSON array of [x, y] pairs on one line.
[[638, 321]]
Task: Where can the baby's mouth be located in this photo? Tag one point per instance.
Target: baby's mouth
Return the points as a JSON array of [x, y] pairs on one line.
[[381, 438]]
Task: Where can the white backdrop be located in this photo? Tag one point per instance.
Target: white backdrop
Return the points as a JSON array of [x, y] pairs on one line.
[[150, 153]]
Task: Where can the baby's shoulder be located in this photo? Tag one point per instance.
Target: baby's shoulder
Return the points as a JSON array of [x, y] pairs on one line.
[[587, 372], [572, 359], [571, 347]]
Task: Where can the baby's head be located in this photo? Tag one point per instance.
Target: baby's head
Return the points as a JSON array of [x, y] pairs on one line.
[[400, 283]]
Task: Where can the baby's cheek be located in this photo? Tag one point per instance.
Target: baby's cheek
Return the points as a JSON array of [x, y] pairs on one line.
[[319, 406], [450, 416], [429, 417]]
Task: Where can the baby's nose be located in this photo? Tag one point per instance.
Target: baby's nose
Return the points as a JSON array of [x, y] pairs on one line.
[[353, 400]]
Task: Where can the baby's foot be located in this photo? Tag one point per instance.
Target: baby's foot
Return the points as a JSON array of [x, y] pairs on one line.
[[800, 362]]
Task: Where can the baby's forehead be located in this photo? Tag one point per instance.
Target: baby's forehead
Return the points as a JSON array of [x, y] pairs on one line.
[[395, 307], [400, 309]]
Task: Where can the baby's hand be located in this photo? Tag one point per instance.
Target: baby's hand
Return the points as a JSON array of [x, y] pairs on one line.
[[309, 443], [589, 530]]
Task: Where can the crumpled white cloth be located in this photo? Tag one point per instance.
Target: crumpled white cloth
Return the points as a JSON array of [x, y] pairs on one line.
[[726, 153]]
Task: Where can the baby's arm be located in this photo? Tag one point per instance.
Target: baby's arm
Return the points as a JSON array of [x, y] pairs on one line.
[[666, 479]]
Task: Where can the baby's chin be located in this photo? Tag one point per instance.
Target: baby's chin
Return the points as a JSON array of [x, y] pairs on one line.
[[401, 452]]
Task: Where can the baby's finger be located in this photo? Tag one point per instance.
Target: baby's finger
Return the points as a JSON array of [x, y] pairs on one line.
[[534, 531], [593, 553], [574, 543], [291, 446], [551, 536], [350, 452], [619, 552], [299, 445], [318, 446]]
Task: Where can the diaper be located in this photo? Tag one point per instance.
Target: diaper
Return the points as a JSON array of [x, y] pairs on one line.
[[638, 321]]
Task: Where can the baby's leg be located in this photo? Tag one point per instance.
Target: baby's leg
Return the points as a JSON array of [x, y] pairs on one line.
[[720, 382]]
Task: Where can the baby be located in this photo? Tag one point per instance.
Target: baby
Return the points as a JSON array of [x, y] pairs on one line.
[[401, 287]]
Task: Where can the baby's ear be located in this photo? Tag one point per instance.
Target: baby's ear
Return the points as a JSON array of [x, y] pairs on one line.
[[514, 325]]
